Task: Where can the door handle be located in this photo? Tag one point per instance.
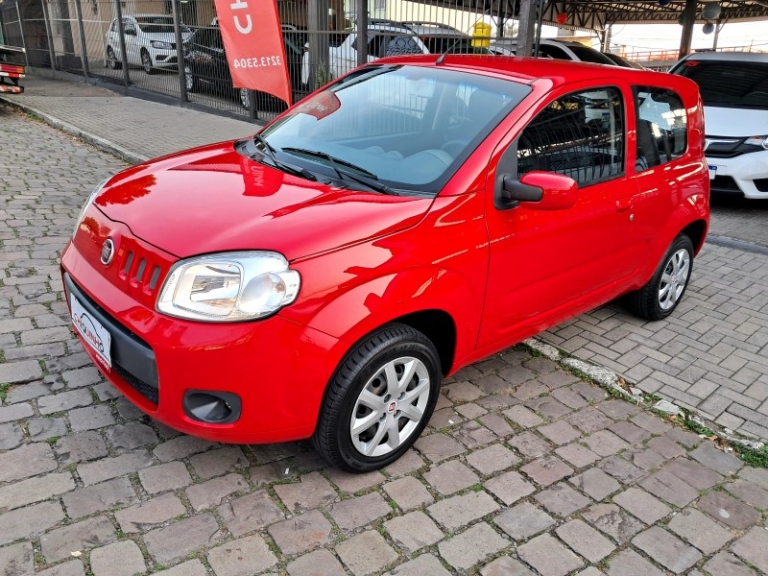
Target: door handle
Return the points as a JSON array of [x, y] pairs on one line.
[[623, 204]]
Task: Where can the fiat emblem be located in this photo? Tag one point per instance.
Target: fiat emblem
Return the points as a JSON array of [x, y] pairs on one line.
[[391, 407], [107, 252]]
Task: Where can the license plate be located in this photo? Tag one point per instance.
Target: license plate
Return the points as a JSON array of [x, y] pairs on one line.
[[712, 171], [93, 332]]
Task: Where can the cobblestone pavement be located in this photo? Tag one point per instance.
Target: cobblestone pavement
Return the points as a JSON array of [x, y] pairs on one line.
[[524, 470], [740, 219]]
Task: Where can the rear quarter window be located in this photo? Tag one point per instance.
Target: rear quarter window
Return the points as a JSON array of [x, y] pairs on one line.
[[662, 133]]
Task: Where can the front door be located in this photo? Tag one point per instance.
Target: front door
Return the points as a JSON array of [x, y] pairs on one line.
[[547, 265]]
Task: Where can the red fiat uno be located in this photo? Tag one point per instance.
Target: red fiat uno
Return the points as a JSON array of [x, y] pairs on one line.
[[319, 279]]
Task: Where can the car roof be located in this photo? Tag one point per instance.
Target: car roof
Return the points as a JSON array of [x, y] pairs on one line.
[[728, 56]]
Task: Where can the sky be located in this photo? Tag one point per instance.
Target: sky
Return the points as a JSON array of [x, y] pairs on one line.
[[658, 36]]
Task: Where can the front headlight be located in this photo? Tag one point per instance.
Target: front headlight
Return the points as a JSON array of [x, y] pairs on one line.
[[160, 45], [757, 141], [229, 287], [87, 203]]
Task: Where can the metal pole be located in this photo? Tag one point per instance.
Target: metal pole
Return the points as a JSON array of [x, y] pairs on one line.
[[123, 52], [539, 23], [48, 32], [179, 52], [362, 39], [689, 18], [81, 31], [526, 27], [718, 26], [253, 111], [21, 30], [606, 39], [317, 16]]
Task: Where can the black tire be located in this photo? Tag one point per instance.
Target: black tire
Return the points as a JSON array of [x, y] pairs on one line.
[[146, 62], [361, 369], [660, 296], [191, 81], [112, 61]]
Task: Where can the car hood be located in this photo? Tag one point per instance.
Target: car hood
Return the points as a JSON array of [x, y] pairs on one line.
[[213, 199], [741, 122]]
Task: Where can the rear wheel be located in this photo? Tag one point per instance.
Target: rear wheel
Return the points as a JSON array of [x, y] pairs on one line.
[[190, 80], [146, 62], [112, 61], [245, 98], [658, 299], [379, 400]]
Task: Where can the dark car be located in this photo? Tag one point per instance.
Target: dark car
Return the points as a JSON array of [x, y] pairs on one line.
[[205, 65], [621, 61]]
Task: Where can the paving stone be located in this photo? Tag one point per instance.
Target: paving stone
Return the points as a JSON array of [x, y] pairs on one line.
[[728, 510], [250, 512], [366, 553], [81, 377], [595, 483], [548, 556], [60, 543], [311, 492], [589, 420], [471, 546], [644, 458], [748, 493], [683, 437], [15, 412], [605, 443], [131, 436], [456, 511], [29, 460], [630, 563], [91, 417], [18, 372], [471, 410], [80, 447], [17, 559], [119, 559], [650, 422], [666, 447], [625, 472], [592, 571], [241, 557], [176, 541], [753, 548], [301, 533], [505, 566], [129, 411], [717, 460], [438, 447], [99, 497], [46, 428], [547, 470], [212, 493], [71, 568], [509, 487], [577, 455], [643, 505], [726, 564], [618, 409], [696, 528], [445, 418], [355, 512], [11, 436], [25, 522], [497, 424], [523, 521], [424, 565], [670, 488], [34, 490], [463, 392], [408, 493], [351, 483], [413, 531], [560, 432], [666, 549], [407, 463], [473, 435], [585, 540], [629, 432], [219, 461], [492, 459], [569, 398], [693, 473], [548, 407], [530, 445], [562, 500], [613, 521], [523, 417], [164, 477], [181, 447], [150, 514], [318, 563], [107, 468], [451, 477], [64, 401], [758, 476]]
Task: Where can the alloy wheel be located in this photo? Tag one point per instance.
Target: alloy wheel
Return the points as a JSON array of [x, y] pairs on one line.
[[674, 278]]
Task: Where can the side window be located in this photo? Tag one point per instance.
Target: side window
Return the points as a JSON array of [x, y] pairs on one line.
[[580, 135], [661, 126], [554, 52]]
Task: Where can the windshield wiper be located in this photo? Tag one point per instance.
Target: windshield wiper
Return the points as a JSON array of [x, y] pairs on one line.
[[366, 178], [269, 152]]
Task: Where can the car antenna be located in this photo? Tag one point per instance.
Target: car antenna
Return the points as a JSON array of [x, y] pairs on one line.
[[447, 50]]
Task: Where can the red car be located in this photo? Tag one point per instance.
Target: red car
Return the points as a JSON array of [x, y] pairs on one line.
[[319, 279]]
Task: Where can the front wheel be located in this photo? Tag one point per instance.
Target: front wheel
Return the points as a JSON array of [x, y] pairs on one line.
[[658, 299], [146, 62], [112, 61], [379, 401], [190, 80]]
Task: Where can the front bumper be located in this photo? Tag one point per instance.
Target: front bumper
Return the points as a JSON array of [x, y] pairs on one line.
[[746, 174], [163, 58], [277, 368]]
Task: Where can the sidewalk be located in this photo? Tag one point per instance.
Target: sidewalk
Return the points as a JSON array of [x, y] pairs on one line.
[[524, 470]]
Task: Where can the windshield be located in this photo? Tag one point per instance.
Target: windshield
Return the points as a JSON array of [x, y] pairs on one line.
[[158, 24], [409, 127], [729, 84]]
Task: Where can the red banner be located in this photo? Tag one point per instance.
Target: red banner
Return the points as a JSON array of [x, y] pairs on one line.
[[253, 41]]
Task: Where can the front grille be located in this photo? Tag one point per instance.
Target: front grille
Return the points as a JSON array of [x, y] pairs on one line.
[[724, 184], [147, 390], [139, 272], [721, 147]]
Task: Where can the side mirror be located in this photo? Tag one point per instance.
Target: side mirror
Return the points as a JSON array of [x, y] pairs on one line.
[[539, 190]]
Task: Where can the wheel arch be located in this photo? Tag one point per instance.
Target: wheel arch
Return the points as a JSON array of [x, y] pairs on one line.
[[697, 232]]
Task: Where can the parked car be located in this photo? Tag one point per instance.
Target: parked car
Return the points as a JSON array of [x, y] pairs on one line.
[[205, 65], [621, 61], [318, 279], [734, 87], [150, 42], [389, 38], [557, 49]]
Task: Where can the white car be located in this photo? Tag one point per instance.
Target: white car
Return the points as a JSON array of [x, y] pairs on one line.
[[150, 42], [551, 48], [734, 88]]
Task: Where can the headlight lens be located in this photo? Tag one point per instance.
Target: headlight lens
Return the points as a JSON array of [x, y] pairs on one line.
[[160, 45], [229, 287], [87, 203], [757, 141]]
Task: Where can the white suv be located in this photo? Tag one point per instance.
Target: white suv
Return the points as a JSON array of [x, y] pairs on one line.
[[551, 48], [734, 88], [150, 42]]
